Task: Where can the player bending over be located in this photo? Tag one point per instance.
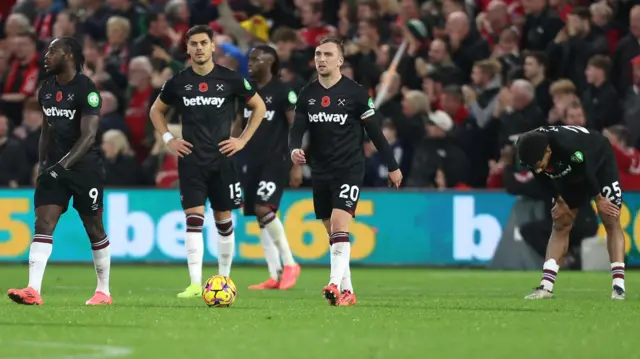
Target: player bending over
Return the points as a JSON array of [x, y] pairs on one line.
[[577, 165], [265, 166], [70, 166], [204, 95], [336, 111]]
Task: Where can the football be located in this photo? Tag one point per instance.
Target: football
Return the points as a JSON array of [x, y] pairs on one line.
[[219, 291]]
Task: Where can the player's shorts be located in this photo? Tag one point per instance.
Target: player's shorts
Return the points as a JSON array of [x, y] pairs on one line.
[[220, 185], [263, 184], [85, 185], [340, 192], [608, 179]]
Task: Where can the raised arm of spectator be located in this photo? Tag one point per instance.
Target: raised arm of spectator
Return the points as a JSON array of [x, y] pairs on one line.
[[232, 27]]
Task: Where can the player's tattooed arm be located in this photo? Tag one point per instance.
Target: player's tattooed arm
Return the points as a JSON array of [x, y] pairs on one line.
[[43, 144], [89, 125]]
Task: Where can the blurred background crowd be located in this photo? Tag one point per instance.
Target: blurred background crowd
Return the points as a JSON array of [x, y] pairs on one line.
[[474, 75]]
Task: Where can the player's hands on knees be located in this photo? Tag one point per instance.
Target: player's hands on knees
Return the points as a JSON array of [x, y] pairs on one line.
[[298, 157], [179, 146], [605, 206], [231, 146], [295, 176], [395, 178]]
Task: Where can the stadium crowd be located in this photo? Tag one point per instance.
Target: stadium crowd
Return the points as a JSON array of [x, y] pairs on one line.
[[474, 75]]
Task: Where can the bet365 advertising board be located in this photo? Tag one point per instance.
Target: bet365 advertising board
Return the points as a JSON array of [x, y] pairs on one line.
[[391, 228]]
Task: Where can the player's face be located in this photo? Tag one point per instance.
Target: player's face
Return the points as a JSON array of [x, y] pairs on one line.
[[55, 58], [259, 64], [544, 163], [200, 48], [328, 59]]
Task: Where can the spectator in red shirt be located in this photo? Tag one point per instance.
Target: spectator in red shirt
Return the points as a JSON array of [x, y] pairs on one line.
[[627, 157], [21, 78], [136, 118], [314, 27], [45, 19]]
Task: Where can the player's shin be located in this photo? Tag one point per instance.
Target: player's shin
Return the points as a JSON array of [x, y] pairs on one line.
[[615, 245], [556, 250], [102, 263], [340, 254], [39, 254], [273, 225], [271, 254], [226, 246], [346, 280], [195, 247]]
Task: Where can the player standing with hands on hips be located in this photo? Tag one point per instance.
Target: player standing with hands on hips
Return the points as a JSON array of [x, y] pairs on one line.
[[266, 165], [336, 111], [205, 95], [575, 165], [70, 166]]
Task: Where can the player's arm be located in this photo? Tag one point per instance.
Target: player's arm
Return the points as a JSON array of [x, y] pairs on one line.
[[258, 110], [43, 143], [157, 115], [298, 128], [236, 128], [295, 175], [89, 124], [244, 90], [370, 119]]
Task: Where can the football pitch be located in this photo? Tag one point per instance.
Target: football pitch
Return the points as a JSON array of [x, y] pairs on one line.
[[410, 313]]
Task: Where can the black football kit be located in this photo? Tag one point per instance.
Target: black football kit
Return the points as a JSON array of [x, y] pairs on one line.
[[582, 165], [265, 164], [206, 104], [63, 106], [336, 119]]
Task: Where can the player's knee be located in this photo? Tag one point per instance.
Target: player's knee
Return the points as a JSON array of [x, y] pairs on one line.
[[94, 229], [265, 215], [340, 221], [44, 226], [194, 223], [564, 223], [225, 227]]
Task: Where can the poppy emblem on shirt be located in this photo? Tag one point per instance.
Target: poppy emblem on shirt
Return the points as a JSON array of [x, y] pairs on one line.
[[203, 87], [58, 96], [325, 101]]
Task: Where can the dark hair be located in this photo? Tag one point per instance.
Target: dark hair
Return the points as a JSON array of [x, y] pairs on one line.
[[454, 91], [582, 12], [333, 40], [621, 132], [601, 62], [199, 29], [152, 16], [73, 47], [531, 147], [540, 57], [275, 65]]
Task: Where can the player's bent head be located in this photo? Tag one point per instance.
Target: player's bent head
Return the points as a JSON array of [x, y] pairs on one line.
[[200, 44], [263, 58], [533, 149], [62, 52], [329, 56]]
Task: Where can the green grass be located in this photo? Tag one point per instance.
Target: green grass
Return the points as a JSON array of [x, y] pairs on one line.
[[411, 313]]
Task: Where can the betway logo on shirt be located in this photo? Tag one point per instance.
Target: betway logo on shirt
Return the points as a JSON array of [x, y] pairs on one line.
[[267, 115], [203, 101], [561, 174], [57, 112], [328, 117]]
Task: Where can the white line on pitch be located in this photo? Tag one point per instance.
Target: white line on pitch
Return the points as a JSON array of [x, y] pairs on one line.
[[98, 351]]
